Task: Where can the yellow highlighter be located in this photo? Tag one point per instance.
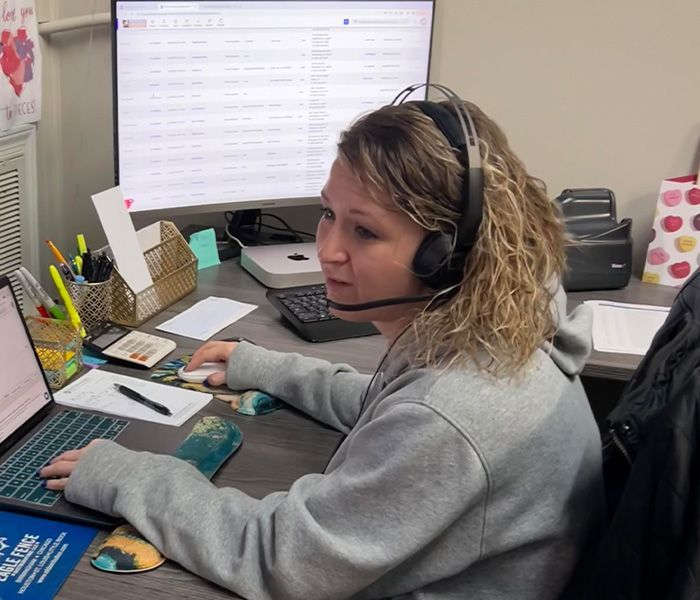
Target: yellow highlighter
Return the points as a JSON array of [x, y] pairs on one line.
[[82, 246], [63, 293]]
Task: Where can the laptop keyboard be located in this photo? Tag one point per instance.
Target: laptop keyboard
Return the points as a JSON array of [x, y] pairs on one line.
[[68, 430]]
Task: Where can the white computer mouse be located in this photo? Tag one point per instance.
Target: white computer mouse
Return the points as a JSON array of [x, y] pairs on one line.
[[200, 374]]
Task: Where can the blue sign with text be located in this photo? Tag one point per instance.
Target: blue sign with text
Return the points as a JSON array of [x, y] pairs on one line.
[[37, 555]]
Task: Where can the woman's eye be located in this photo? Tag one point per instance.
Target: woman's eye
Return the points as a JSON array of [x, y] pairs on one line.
[[326, 213], [363, 233]]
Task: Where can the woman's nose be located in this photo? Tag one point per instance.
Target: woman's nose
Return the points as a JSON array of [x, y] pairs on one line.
[[329, 245]]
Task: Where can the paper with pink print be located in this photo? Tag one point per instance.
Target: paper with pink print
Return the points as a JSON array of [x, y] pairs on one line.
[[20, 62], [674, 250]]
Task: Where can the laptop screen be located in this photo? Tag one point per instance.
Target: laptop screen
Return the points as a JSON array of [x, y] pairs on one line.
[[23, 391]]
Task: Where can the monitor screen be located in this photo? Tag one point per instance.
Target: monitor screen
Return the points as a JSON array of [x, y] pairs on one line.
[[239, 103]]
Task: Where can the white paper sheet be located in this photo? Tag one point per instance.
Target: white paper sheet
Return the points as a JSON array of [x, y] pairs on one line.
[[95, 391], [121, 235], [149, 236], [207, 317], [625, 328]]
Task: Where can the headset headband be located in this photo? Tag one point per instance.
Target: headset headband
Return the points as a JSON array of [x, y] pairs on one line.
[[472, 189]]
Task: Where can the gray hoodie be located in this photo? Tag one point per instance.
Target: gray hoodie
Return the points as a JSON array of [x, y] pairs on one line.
[[449, 484]]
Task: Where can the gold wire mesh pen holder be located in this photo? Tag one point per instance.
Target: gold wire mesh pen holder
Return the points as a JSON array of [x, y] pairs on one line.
[[59, 348], [173, 268], [92, 301]]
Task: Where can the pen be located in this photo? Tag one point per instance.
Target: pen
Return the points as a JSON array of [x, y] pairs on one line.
[[108, 271], [67, 272], [87, 266], [43, 297], [104, 268], [97, 267], [136, 397], [68, 303], [57, 253]]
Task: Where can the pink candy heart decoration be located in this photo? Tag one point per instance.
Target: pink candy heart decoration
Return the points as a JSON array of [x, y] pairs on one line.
[[672, 197], [658, 256]]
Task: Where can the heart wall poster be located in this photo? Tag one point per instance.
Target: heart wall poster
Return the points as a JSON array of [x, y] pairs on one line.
[[20, 61]]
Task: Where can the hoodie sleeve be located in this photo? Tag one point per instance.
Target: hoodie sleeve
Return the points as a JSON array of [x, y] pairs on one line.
[[408, 475], [573, 339], [329, 393]]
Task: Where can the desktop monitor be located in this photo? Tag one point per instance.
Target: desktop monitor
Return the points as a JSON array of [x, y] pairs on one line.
[[238, 104]]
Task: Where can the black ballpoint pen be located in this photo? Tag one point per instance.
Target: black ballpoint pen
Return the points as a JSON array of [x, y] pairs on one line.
[[136, 397]]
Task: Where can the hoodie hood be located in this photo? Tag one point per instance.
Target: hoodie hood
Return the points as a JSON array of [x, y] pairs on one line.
[[573, 341]]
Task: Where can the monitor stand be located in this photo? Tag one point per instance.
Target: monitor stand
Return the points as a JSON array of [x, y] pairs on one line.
[[283, 265]]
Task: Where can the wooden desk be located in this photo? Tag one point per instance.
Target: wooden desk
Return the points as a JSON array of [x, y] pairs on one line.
[[608, 365], [279, 448]]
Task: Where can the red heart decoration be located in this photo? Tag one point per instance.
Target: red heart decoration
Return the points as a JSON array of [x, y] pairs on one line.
[[679, 270], [128, 202], [694, 196], [671, 223], [17, 58]]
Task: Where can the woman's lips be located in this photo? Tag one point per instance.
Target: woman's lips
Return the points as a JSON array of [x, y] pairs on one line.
[[335, 285]]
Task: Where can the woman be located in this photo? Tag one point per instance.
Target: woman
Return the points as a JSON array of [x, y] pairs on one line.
[[471, 466]]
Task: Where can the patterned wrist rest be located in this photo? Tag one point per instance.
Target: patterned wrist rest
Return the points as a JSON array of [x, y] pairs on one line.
[[211, 441], [251, 402]]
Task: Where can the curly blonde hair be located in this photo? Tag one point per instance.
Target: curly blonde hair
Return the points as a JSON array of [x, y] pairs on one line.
[[501, 310]]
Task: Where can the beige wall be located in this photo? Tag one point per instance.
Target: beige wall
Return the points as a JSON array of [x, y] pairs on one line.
[[595, 93], [75, 133]]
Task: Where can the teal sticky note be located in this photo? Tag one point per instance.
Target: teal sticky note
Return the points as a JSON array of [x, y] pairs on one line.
[[203, 244]]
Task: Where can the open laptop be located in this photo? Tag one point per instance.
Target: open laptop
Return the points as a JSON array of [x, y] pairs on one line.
[[34, 429]]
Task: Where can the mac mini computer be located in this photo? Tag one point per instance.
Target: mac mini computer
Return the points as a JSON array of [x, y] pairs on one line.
[[283, 265]]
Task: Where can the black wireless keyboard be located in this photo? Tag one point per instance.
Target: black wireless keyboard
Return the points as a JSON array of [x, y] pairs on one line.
[[306, 310]]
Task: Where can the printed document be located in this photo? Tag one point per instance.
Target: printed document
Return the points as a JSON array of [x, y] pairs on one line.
[[625, 328], [96, 391]]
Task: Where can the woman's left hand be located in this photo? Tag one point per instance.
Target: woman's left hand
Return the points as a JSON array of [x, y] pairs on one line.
[[59, 469]]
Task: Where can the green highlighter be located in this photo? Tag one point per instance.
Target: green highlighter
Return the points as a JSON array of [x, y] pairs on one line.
[[210, 443]]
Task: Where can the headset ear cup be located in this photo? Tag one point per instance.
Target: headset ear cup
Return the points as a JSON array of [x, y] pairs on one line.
[[432, 258]]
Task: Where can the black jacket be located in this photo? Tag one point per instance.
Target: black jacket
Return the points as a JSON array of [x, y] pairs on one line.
[[651, 550]]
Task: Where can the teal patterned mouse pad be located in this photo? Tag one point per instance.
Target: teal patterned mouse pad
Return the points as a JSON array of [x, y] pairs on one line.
[[211, 441], [252, 402]]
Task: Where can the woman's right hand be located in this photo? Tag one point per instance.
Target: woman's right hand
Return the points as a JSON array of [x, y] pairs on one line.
[[212, 352]]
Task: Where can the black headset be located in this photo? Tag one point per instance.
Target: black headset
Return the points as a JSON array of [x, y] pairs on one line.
[[440, 259]]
